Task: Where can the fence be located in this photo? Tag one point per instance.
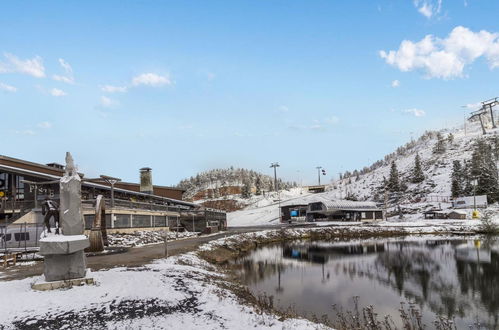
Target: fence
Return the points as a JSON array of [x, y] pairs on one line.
[[22, 237]]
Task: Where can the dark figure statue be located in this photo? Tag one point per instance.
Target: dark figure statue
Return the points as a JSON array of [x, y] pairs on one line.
[[51, 209]]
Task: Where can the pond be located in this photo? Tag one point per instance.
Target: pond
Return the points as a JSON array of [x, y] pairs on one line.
[[453, 277]]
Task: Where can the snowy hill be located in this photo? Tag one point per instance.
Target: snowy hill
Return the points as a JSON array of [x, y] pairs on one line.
[[437, 167], [369, 183]]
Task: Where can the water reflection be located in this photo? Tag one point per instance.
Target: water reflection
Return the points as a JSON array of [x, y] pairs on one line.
[[457, 278]]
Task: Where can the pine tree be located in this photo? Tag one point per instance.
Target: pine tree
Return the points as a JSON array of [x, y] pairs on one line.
[[458, 179], [393, 180], [450, 139], [484, 169], [417, 172], [439, 147], [258, 186], [246, 189]]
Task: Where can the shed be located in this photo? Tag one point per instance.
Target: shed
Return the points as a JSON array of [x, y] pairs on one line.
[[456, 214]]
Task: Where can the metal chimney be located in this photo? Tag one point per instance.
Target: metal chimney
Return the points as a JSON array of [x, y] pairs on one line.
[[146, 180]]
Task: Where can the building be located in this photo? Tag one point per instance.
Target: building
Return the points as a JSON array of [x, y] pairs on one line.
[[457, 214], [24, 185], [343, 210], [468, 202], [318, 208]]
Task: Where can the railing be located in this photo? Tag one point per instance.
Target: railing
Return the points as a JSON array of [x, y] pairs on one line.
[[135, 205], [23, 237]]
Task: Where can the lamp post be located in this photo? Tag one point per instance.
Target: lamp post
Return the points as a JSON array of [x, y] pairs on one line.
[[276, 188], [112, 181], [275, 166], [319, 174]]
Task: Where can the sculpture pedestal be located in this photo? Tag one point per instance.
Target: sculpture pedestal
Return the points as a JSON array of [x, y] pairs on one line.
[[64, 257]]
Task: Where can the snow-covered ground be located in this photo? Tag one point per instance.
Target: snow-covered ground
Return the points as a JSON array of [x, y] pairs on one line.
[[144, 237], [173, 293], [178, 292]]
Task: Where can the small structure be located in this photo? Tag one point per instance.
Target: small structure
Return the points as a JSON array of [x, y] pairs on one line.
[[435, 214], [325, 209], [457, 214], [317, 189], [468, 202], [294, 212]]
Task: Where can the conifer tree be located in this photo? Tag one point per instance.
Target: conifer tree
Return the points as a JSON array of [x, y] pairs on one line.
[[417, 172], [483, 167], [393, 180], [458, 179], [258, 186], [450, 139], [440, 145], [246, 189]]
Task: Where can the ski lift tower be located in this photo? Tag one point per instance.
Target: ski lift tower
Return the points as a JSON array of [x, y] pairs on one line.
[[479, 113], [489, 104]]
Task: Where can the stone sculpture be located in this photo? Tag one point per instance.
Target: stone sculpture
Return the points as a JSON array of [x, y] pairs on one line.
[[64, 255]]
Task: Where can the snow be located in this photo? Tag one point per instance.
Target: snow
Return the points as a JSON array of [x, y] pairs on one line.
[[173, 293], [62, 238], [435, 190]]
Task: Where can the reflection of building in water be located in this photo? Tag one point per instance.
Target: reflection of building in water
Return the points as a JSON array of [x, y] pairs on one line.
[[321, 254], [473, 253]]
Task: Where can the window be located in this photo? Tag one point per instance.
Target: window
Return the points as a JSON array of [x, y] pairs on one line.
[[159, 221], [363, 215], [21, 236], [122, 221], [140, 220], [8, 237]]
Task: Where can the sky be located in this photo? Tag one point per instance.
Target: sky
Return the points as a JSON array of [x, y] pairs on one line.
[[187, 86]]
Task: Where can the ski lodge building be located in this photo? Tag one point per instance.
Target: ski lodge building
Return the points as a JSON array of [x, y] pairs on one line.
[[24, 185], [318, 208]]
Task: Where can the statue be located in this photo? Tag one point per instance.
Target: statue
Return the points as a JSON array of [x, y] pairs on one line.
[[65, 259], [50, 209]]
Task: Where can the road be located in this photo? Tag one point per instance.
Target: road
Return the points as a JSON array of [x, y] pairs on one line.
[[136, 256]]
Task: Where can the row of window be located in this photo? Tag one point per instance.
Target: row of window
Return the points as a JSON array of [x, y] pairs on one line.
[[134, 221]]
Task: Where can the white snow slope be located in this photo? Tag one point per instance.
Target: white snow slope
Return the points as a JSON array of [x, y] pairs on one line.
[[436, 186]]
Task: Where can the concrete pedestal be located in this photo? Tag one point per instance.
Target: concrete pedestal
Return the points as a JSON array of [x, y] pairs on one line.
[[64, 257]]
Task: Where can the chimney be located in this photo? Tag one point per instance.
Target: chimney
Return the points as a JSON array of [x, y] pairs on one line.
[[146, 180]]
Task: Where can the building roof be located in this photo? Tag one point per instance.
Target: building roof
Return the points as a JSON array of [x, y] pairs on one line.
[[332, 205], [42, 174]]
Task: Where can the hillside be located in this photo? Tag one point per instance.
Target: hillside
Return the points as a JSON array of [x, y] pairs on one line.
[[230, 189], [369, 183]]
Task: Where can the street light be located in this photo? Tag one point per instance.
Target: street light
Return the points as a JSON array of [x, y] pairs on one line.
[[276, 188], [275, 166]]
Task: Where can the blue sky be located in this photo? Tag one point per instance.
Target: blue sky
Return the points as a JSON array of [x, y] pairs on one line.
[[186, 86]]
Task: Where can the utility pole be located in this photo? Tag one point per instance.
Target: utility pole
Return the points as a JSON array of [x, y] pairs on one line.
[[319, 174], [275, 166]]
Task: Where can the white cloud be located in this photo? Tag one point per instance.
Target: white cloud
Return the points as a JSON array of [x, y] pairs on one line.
[[107, 102], [428, 8], [68, 77], [151, 79], [283, 108], [45, 124], [113, 89], [8, 88], [415, 112], [26, 132], [332, 120], [33, 67], [445, 58], [57, 92], [395, 83]]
